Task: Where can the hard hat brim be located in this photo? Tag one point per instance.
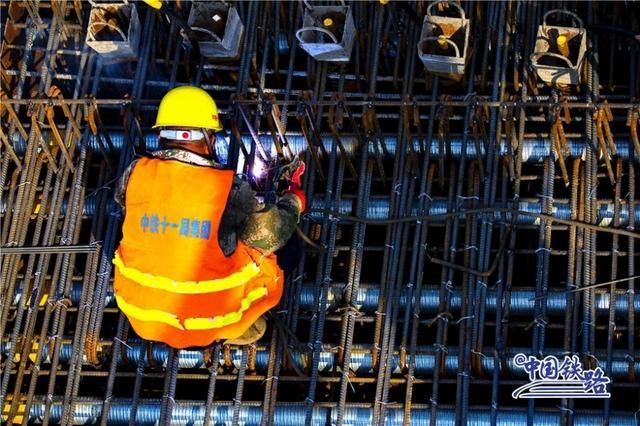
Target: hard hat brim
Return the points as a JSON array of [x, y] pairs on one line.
[[158, 125]]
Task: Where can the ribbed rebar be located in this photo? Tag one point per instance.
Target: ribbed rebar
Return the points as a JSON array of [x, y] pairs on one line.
[[293, 415], [439, 239], [534, 149], [365, 299]]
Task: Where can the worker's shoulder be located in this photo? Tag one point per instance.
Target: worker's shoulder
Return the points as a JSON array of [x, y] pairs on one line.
[[240, 179], [241, 185], [172, 154], [242, 194]]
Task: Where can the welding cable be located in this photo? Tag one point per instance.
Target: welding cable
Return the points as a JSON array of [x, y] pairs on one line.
[[128, 115], [483, 274], [589, 287], [614, 30], [540, 216], [410, 11], [175, 17], [309, 241], [283, 332]]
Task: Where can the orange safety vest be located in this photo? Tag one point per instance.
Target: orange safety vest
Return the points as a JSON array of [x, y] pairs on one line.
[[172, 280]]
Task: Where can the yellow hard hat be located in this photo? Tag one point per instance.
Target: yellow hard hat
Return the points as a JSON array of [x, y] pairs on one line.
[[156, 4], [188, 106]]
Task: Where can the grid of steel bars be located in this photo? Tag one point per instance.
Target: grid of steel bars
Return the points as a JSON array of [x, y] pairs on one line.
[[454, 224]]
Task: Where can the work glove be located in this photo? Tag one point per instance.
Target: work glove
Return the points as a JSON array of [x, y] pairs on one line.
[[296, 177], [291, 179]]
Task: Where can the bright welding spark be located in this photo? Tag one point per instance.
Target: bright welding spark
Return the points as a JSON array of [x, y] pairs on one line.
[[259, 169]]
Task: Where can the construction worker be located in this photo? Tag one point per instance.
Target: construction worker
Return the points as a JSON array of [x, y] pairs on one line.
[[196, 261]]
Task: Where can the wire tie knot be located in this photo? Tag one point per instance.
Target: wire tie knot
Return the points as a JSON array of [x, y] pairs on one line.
[[480, 354], [117, 339], [541, 322], [465, 318], [268, 379], [449, 286], [589, 323], [441, 348]]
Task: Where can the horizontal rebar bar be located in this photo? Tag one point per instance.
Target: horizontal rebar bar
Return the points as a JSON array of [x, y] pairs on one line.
[[48, 249], [534, 150], [421, 100], [361, 362], [365, 299], [293, 414], [378, 209]]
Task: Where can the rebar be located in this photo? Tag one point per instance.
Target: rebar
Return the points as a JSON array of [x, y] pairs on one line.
[[453, 220], [534, 149], [291, 415]]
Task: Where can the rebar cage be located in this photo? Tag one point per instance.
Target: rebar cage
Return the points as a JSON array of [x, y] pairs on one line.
[[454, 224]]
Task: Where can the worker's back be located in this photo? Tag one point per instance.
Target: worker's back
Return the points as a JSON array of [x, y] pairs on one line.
[[172, 279]]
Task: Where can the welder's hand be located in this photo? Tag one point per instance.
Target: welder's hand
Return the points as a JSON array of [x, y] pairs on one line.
[[296, 184], [296, 176], [289, 175]]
